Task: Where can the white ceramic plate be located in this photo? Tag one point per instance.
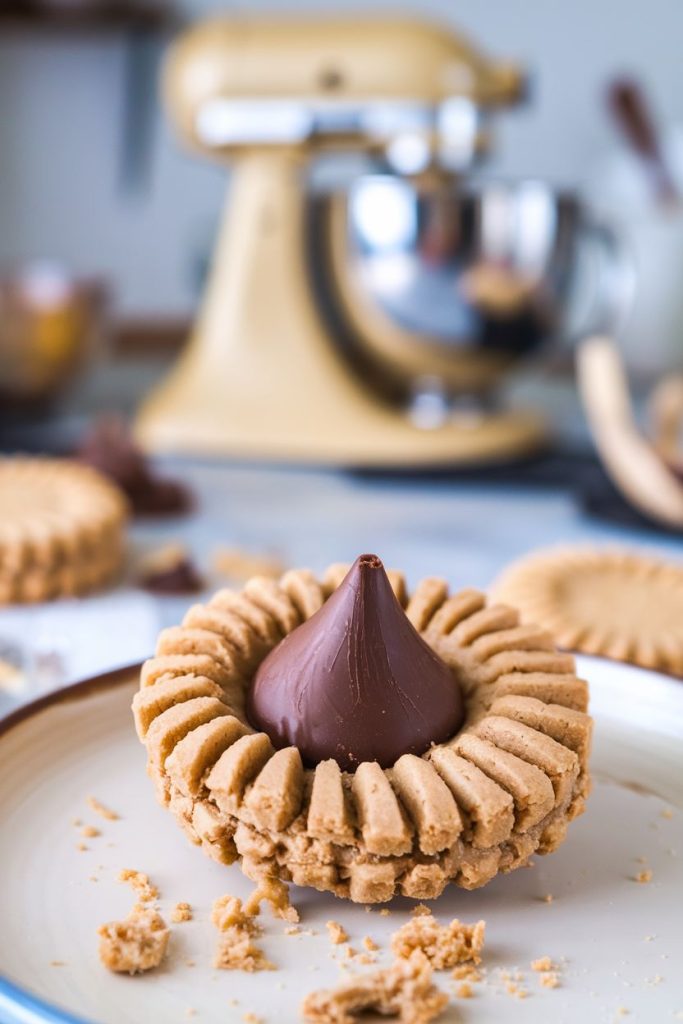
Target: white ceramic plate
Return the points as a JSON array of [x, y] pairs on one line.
[[619, 943]]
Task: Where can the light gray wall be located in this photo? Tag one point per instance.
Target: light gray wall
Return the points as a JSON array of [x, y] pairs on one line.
[[61, 119]]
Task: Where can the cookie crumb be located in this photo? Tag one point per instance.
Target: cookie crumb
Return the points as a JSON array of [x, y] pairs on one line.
[[384, 912], [138, 943], [81, 847], [513, 989], [404, 989], [99, 808], [181, 912], [57, 963], [140, 882], [544, 963], [443, 945], [667, 813], [643, 877], [420, 910], [549, 979], [548, 898], [293, 930], [370, 944], [465, 972], [276, 893], [235, 950], [336, 933], [464, 990], [252, 1018], [89, 831]]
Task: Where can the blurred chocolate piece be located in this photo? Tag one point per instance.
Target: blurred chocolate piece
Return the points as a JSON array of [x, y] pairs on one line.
[[109, 447], [169, 570], [356, 682]]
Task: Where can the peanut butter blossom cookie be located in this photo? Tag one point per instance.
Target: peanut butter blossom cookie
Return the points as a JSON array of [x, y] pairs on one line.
[[345, 735], [61, 529]]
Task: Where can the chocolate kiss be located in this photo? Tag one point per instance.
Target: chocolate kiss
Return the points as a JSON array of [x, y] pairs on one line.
[[356, 682]]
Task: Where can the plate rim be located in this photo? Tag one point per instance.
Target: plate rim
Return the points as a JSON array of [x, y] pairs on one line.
[[65, 694], [21, 1004]]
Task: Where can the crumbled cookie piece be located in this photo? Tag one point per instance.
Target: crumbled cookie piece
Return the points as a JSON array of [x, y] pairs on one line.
[[236, 950], [549, 979], [404, 990], [548, 898], [252, 1018], [420, 910], [384, 912], [667, 813], [140, 882], [81, 847], [643, 876], [443, 945], [544, 963], [337, 933], [89, 831], [227, 911], [181, 912], [466, 972], [99, 808], [276, 893], [513, 989], [138, 943], [464, 990], [370, 944], [57, 963]]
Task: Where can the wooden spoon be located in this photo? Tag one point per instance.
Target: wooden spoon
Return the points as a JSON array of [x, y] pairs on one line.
[[630, 460]]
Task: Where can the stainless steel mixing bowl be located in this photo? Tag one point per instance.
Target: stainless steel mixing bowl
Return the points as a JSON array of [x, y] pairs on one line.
[[438, 283]]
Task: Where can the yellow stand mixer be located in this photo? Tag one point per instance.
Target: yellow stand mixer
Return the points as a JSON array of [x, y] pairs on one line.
[[261, 377]]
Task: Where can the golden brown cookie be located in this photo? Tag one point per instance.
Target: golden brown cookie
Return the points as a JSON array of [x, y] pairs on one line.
[[504, 786], [614, 603], [61, 529]]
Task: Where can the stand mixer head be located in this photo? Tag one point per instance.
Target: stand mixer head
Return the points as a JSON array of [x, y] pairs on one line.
[[262, 376]]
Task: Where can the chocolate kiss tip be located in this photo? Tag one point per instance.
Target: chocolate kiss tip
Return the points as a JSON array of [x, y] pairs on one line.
[[356, 682]]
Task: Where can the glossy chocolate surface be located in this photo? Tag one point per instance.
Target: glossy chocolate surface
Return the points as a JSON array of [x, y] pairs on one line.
[[356, 682]]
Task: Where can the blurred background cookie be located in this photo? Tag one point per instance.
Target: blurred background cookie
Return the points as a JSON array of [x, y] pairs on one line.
[[615, 603], [61, 529]]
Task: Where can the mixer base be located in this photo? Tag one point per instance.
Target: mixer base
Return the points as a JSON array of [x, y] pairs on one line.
[[395, 444]]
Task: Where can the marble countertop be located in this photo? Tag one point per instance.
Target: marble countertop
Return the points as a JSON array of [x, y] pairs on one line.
[[464, 531]]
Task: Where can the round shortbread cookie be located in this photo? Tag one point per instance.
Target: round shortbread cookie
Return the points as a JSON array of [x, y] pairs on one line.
[[504, 787], [61, 529], [613, 603]]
